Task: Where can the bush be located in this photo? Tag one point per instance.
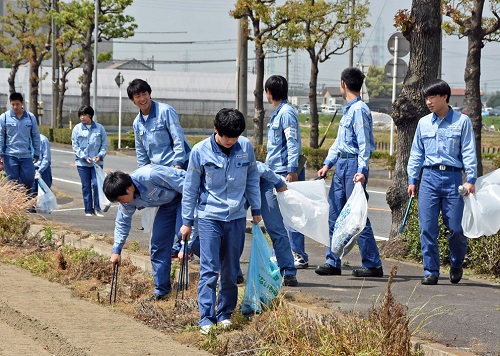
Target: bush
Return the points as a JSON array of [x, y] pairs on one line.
[[47, 131], [127, 142], [62, 136], [14, 205]]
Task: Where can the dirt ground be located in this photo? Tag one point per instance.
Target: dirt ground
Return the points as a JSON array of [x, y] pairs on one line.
[[38, 317]]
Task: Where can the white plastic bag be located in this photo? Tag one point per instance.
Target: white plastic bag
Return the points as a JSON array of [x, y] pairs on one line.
[[350, 222], [304, 207], [148, 219], [46, 201], [104, 203], [481, 216]]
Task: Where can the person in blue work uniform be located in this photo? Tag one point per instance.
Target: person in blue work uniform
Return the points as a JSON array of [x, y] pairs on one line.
[[159, 137], [90, 143], [148, 186], [221, 179], [19, 142], [42, 166], [351, 153], [284, 147], [443, 146]]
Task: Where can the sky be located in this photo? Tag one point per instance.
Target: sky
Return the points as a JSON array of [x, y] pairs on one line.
[[211, 35]]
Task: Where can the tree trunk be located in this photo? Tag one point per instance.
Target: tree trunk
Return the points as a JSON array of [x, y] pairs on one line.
[[62, 92], [424, 36], [12, 77], [313, 84], [88, 68], [258, 119], [34, 80], [472, 77]]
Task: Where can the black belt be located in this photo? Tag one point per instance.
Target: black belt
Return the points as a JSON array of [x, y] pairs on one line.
[[442, 167], [347, 155]]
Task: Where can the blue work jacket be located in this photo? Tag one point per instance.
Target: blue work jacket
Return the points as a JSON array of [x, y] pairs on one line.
[[218, 185], [283, 139], [19, 138], [355, 136], [89, 143], [155, 186], [160, 139], [448, 142], [44, 161]]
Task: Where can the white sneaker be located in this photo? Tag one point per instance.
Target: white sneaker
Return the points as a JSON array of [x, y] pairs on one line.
[[206, 329], [299, 261], [226, 323], [88, 214], [98, 214]]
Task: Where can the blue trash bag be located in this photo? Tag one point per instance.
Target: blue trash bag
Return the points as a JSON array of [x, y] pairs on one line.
[[46, 201], [263, 277]]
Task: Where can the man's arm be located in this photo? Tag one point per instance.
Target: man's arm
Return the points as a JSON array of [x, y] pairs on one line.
[[173, 126], [140, 150]]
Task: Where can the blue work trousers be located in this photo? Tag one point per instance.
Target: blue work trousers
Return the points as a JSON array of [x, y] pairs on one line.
[[275, 227], [21, 170], [439, 191], [89, 189], [340, 190], [221, 245], [165, 226]]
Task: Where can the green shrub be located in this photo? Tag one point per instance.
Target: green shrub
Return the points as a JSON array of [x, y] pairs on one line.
[[62, 136], [47, 131], [315, 157], [127, 142]]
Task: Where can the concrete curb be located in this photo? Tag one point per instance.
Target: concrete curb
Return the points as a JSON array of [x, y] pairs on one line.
[[427, 347]]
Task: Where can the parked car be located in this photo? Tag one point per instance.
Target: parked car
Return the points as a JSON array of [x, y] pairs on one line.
[[304, 109], [331, 109]]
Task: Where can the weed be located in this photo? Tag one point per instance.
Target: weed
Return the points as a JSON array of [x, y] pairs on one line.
[[48, 233], [134, 246]]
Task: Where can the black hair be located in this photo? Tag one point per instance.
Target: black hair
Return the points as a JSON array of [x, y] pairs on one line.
[[229, 122], [86, 110], [16, 96], [353, 78], [437, 87], [138, 86], [116, 184], [277, 86]]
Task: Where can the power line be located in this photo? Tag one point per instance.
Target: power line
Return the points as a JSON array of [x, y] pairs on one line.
[[175, 42]]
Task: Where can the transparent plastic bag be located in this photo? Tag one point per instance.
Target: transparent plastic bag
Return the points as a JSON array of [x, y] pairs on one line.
[[481, 216], [46, 201], [148, 216], [305, 208], [350, 222], [104, 203], [263, 277]]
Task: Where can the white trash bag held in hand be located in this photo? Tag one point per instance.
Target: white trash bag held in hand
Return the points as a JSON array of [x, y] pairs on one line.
[[46, 201], [350, 222], [481, 216], [100, 175], [305, 208]]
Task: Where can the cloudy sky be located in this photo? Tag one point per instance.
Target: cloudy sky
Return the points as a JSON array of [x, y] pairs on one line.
[[209, 33]]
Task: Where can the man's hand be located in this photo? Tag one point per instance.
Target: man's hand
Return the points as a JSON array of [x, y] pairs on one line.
[[37, 175], [35, 160], [282, 189], [471, 188], [186, 232], [322, 172], [115, 259], [292, 177], [89, 159], [97, 159], [257, 219], [412, 190], [359, 177]]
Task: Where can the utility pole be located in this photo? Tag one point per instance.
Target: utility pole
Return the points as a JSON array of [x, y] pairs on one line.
[[96, 36], [54, 120], [351, 50], [242, 68]]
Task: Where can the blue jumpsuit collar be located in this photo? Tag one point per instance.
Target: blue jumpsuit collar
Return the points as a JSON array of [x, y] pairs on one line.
[[448, 117], [217, 149], [152, 112], [349, 104]]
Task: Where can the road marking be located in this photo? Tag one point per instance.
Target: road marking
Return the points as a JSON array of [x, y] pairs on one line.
[[62, 151], [381, 238], [66, 181], [380, 209]]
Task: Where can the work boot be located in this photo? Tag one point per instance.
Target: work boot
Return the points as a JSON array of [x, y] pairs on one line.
[[429, 280], [368, 272], [290, 280], [328, 270], [456, 274]]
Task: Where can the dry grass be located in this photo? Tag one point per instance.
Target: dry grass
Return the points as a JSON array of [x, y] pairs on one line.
[[14, 203]]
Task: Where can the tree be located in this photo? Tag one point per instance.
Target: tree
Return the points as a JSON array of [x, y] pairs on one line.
[[468, 21], [377, 84], [422, 28], [112, 23], [493, 99], [25, 28], [322, 29], [261, 14]]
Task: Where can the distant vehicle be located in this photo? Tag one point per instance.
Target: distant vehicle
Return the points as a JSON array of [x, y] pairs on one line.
[[331, 109], [304, 109]]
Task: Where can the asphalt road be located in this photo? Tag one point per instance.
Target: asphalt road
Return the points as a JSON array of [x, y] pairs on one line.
[[464, 316]]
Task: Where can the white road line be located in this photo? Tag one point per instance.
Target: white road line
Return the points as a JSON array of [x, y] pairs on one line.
[[63, 151], [381, 238], [66, 181]]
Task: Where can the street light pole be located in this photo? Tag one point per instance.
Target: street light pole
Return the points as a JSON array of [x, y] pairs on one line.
[[55, 68], [96, 36], [119, 81]]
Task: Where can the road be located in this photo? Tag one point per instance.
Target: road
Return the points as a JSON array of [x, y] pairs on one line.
[[67, 182]]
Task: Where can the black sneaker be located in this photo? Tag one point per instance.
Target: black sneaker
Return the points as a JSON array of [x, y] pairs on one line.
[[156, 297], [328, 270], [456, 274], [429, 280], [368, 272], [290, 280], [240, 280]]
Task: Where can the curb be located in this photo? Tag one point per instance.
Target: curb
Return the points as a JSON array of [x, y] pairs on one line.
[[429, 348]]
